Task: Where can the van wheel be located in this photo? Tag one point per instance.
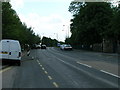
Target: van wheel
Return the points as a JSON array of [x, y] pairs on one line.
[[19, 63]]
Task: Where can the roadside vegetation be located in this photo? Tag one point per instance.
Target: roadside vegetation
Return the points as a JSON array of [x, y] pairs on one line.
[[93, 23], [13, 28]]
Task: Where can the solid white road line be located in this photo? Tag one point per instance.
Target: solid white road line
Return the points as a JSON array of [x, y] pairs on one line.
[[85, 64], [110, 73]]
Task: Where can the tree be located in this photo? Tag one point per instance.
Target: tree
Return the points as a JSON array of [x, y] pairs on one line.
[[49, 42], [13, 28], [90, 22]]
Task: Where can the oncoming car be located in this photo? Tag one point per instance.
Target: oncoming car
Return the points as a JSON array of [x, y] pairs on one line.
[[66, 47], [43, 46]]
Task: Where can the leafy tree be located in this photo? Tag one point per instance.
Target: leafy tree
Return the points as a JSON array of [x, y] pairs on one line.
[[49, 42], [90, 22], [13, 28]]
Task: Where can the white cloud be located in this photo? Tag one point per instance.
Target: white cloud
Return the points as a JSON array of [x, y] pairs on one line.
[[48, 0], [17, 4], [46, 25], [50, 24]]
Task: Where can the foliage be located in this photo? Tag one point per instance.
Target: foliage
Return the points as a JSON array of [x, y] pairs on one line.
[[49, 42], [13, 28], [92, 22]]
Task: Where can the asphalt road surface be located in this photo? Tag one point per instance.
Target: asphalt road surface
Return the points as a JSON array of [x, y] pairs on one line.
[[54, 68]]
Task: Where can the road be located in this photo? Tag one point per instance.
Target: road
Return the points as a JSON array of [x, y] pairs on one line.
[[54, 68]]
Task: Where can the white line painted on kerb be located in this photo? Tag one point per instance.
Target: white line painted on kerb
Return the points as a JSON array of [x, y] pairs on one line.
[[110, 73], [85, 64]]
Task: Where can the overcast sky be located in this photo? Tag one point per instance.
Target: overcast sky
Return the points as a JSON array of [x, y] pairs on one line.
[[47, 17]]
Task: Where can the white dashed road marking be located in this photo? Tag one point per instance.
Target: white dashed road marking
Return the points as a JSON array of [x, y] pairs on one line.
[[110, 74], [85, 64], [55, 84]]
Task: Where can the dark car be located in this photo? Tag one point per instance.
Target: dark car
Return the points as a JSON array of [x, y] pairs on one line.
[[43, 46]]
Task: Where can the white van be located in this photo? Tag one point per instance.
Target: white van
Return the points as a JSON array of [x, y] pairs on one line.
[[10, 51]]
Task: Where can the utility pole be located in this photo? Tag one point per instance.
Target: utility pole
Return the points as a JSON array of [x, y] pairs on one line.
[[67, 30], [56, 36]]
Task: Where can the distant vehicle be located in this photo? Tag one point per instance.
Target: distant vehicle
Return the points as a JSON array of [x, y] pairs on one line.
[[62, 47], [66, 47], [38, 46], [58, 44], [43, 46], [10, 51]]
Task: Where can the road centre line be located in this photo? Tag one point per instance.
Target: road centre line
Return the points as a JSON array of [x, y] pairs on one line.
[[50, 77], [110, 73], [46, 72], [41, 65], [43, 68], [55, 84], [38, 61], [85, 64], [3, 70]]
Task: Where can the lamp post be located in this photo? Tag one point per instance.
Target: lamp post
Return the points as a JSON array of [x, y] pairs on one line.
[[56, 35], [67, 30]]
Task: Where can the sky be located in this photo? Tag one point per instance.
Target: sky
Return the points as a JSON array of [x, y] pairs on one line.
[[49, 18]]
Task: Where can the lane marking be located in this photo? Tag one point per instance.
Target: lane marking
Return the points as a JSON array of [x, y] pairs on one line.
[[50, 77], [43, 68], [46, 72], [110, 73], [32, 57], [88, 73], [55, 84], [41, 65], [1, 71], [38, 61], [85, 64]]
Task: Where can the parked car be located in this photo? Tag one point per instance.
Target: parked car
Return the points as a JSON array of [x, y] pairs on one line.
[[43, 46], [66, 47], [10, 51]]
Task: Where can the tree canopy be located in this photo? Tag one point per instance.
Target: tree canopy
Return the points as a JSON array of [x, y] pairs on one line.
[[49, 42], [13, 28], [92, 22]]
